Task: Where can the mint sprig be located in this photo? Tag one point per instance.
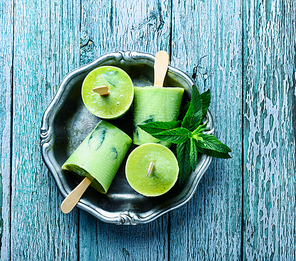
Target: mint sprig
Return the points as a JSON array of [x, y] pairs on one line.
[[188, 134]]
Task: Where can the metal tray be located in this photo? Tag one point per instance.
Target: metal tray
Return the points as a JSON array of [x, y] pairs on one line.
[[66, 122]]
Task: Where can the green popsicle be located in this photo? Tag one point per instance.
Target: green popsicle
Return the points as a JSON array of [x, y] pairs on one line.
[[164, 173], [120, 87], [154, 104], [99, 156]]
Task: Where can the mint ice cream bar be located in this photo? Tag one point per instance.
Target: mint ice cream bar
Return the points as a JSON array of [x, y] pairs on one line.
[[99, 156], [163, 175], [154, 104], [119, 95]]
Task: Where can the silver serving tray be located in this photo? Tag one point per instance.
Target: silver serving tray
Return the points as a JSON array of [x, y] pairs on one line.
[[66, 122]]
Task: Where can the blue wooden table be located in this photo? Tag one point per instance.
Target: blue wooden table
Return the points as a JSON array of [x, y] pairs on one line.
[[243, 51]]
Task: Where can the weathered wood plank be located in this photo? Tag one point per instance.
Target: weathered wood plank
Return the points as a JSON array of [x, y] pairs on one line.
[[6, 49], [109, 27], [46, 47], [122, 25], [269, 127], [209, 226]]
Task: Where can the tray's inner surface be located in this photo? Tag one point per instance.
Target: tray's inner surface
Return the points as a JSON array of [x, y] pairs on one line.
[[74, 122]]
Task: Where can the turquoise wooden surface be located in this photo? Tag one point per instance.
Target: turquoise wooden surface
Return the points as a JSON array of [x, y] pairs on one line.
[[244, 208], [213, 41]]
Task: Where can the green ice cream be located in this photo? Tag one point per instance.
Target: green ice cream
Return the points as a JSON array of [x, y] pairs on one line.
[[154, 104], [163, 176], [120, 87], [99, 156]]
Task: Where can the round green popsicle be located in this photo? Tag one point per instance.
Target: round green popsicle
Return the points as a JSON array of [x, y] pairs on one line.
[[99, 156], [154, 104], [164, 172], [120, 87]]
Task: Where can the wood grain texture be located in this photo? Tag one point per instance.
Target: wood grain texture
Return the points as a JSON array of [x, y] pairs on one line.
[[6, 50], [46, 47], [109, 27], [208, 34], [269, 141], [112, 26]]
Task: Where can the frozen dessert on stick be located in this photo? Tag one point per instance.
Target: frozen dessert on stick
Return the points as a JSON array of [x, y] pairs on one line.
[[155, 103], [107, 92], [98, 159], [161, 165]]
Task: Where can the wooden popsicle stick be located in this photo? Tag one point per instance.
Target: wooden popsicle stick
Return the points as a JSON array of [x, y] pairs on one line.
[[160, 68], [102, 90], [72, 199], [150, 169]]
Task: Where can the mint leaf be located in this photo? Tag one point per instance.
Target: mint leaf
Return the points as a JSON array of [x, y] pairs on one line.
[[210, 142], [212, 153], [159, 126], [177, 135], [205, 100], [193, 116], [193, 153], [211, 146], [183, 151]]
